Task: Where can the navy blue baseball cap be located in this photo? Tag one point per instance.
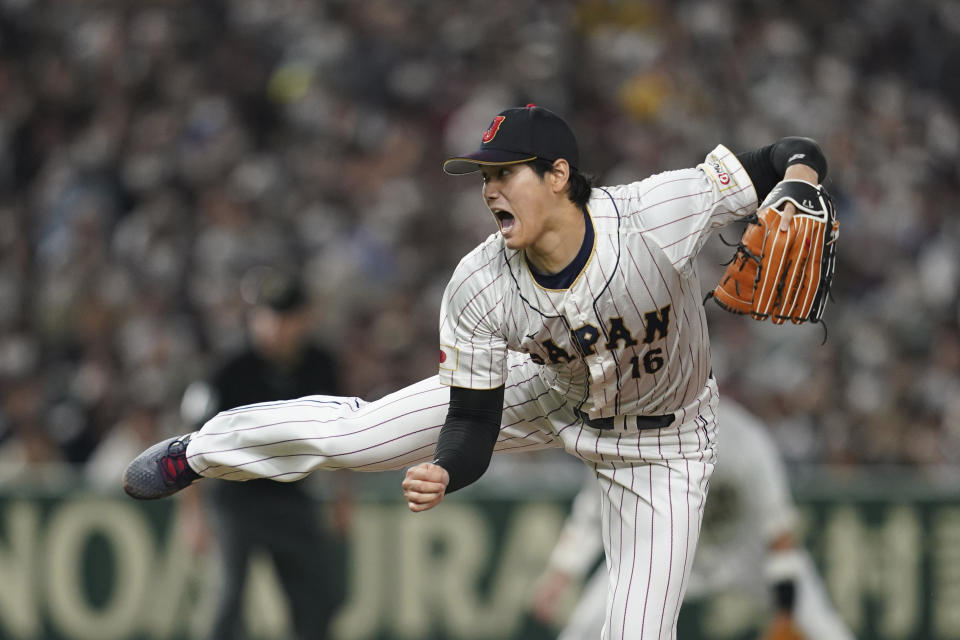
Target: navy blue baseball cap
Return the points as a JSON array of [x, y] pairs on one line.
[[520, 135]]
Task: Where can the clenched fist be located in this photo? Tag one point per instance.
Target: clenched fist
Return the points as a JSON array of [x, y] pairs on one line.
[[424, 486]]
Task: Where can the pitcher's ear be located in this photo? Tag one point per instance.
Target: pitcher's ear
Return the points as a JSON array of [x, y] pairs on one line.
[[559, 175]]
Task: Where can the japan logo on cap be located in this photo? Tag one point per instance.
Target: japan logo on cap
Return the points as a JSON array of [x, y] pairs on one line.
[[494, 127]]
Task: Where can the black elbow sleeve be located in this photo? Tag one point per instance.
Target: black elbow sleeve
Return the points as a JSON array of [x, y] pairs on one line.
[[766, 165], [469, 434], [797, 150]]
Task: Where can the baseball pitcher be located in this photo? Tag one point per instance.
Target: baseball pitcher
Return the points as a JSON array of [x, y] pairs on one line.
[[579, 324]]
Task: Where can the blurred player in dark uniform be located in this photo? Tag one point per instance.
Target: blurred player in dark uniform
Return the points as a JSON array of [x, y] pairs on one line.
[[282, 519]]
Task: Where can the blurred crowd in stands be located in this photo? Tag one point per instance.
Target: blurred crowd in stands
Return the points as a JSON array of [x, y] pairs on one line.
[[155, 154]]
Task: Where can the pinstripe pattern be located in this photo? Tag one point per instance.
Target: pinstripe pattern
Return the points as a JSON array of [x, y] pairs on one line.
[[654, 486], [628, 337], [288, 440], [733, 551]]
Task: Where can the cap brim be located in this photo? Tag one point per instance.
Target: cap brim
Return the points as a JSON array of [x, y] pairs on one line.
[[485, 157]]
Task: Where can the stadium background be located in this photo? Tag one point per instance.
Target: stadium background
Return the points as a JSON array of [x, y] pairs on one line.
[[153, 153]]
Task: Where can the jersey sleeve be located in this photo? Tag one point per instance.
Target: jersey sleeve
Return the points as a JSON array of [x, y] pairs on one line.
[[767, 480], [473, 350], [679, 209], [774, 501]]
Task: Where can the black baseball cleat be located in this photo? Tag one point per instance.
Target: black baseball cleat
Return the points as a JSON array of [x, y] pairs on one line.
[[160, 471]]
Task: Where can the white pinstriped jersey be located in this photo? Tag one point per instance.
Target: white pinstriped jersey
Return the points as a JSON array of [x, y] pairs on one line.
[[629, 335]]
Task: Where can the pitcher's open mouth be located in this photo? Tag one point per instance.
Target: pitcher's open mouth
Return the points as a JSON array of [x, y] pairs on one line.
[[505, 219]]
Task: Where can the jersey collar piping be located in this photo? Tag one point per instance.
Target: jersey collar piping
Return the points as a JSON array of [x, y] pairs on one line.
[[567, 278]]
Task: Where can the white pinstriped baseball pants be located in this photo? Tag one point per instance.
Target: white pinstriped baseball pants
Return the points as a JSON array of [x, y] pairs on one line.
[[654, 481]]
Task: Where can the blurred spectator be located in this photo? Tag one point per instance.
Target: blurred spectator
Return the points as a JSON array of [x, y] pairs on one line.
[[150, 154], [24, 443]]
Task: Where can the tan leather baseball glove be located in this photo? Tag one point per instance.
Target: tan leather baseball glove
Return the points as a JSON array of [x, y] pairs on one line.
[[784, 275]]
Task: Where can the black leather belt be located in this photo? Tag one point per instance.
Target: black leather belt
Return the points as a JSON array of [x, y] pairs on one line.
[[630, 422]]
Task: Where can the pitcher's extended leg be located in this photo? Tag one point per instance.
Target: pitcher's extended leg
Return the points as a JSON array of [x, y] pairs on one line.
[[287, 440]]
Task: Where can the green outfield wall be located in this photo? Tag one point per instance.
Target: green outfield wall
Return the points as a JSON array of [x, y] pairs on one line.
[[81, 565]]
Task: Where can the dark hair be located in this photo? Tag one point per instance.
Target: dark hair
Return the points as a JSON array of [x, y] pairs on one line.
[[282, 293], [578, 186]]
